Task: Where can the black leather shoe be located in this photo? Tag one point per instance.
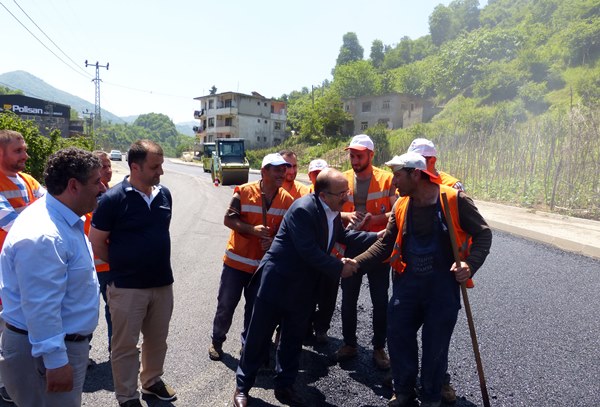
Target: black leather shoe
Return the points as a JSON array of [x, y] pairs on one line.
[[240, 399], [288, 396]]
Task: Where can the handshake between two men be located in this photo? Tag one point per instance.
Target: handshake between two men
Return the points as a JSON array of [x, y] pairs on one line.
[[350, 267]]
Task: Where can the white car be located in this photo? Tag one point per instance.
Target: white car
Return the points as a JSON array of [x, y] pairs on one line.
[[116, 155]]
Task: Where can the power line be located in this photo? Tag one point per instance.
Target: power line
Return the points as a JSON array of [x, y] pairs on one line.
[[149, 91], [50, 39], [44, 45]]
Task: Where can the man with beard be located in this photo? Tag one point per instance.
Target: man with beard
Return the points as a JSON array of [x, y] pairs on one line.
[[293, 187], [254, 215], [17, 191], [130, 231], [369, 206], [49, 287]]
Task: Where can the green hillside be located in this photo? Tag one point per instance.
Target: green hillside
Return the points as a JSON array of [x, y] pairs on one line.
[[33, 86], [518, 82]]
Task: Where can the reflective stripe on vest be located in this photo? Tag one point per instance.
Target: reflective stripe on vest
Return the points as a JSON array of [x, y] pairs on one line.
[[244, 252], [14, 196], [378, 198], [242, 259], [101, 265], [258, 209]]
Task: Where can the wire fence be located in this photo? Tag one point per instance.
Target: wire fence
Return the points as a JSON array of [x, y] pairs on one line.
[[553, 163]]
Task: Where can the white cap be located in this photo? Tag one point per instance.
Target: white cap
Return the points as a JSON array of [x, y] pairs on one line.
[[317, 165], [361, 142], [274, 159], [410, 160], [422, 146]]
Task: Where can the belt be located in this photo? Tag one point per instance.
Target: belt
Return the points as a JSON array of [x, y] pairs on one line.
[[68, 337]]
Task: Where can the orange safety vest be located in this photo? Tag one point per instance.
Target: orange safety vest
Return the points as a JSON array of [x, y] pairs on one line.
[[463, 239], [378, 198], [447, 179], [101, 265], [296, 189], [13, 194], [243, 251]]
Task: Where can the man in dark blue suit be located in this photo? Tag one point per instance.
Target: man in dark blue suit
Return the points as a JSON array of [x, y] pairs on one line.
[[289, 276]]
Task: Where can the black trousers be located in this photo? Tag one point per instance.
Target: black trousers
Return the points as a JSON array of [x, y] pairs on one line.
[[265, 317]]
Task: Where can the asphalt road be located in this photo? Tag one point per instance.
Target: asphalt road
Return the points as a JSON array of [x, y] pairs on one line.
[[536, 312]]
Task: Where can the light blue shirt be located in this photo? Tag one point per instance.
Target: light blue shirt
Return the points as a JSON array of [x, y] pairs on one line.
[[48, 283]]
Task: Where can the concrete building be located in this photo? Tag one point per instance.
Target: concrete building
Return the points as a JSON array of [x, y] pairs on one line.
[[393, 110], [256, 119]]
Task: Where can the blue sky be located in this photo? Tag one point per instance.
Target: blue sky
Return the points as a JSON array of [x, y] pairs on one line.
[[162, 54]]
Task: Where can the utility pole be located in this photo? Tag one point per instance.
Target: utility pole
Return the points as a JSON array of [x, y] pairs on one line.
[[97, 80], [90, 122]]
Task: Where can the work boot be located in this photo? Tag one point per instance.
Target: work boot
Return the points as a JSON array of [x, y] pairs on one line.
[[215, 352], [381, 359], [345, 353], [448, 394], [403, 400], [321, 338]]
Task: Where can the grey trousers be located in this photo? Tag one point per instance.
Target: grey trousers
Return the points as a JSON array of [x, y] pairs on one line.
[[25, 376]]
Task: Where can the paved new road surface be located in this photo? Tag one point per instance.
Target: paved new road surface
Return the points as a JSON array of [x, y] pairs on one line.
[[536, 312]]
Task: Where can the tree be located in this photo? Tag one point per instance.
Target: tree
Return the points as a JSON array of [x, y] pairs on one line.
[[350, 51], [8, 91], [213, 90], [440, 25], [355, 79], [377, 53], [465, 15]]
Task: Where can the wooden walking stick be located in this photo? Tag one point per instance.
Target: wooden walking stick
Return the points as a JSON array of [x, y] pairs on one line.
[[463, 289]]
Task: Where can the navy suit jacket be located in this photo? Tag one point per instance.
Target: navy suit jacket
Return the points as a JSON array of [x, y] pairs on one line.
[[300, 254]]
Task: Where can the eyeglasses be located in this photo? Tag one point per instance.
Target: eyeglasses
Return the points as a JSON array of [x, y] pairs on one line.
[[340, 195]]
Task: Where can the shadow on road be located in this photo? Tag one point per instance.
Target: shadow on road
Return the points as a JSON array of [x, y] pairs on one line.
[[98, 377]]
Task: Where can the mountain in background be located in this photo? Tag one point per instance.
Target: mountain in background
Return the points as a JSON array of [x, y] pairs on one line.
[[129, 119], [35, 87], [186, 128]]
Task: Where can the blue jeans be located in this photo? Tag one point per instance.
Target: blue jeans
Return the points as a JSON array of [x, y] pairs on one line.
[[379, 282], [233, 283], [104, 278]]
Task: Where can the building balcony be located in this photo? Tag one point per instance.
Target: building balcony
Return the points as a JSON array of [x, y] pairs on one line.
[[225, 129], [224, 111], [198, 114]]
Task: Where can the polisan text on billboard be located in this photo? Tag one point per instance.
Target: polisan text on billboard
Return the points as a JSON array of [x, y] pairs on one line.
[[26, 109]]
